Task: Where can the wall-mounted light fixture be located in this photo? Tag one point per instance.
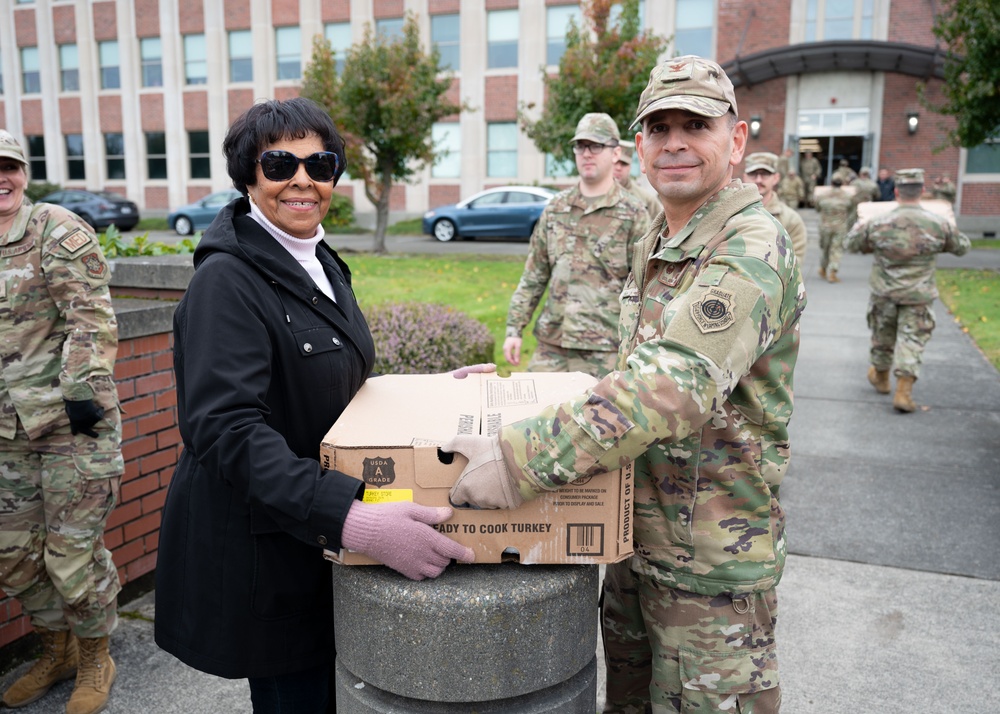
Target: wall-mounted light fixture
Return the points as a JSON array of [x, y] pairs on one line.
[[755, 126], [912, 122]]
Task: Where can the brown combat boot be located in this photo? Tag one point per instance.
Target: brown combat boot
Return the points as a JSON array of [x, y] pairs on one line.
[[902, 400], [822, 273], [94, 678], [879, 379], [58, 662], [831, 276]]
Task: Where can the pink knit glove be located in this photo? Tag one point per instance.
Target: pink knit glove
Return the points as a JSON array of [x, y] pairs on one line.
[[400, 535], [463, 372]]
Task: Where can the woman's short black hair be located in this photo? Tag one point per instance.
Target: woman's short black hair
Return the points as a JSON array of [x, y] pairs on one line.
[[268, 122]]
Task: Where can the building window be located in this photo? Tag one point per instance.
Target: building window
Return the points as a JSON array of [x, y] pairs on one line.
[[156, 155], [31, 77], [558, 169], [36, 158], [447, 138], [445, 34], [501, 149], [557, 21], [839, 20], [110, 72], [289, 52], [391, 28], [693, 35], [502, 30], [151, 53], [338, 34], [195, 60], [199, 152], [69, 68], [75, 168], [114, 154], [984, 159], [241, 56], [616, 12]]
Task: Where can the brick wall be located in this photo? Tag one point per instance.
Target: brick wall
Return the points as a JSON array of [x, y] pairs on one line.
[[760, 25], [105, 21], [336, 10], [980, 199], [501, 98], [900, 149], [151, 444], [237, 14], [766, 100]]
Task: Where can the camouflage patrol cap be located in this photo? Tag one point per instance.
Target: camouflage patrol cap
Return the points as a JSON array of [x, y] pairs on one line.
[[597, 127], [10, 149], [689, 82], [911, 176], [628, 149], [762, 160]]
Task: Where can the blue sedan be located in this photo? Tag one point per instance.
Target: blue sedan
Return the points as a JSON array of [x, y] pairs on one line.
[[199, 215], [507, 211]]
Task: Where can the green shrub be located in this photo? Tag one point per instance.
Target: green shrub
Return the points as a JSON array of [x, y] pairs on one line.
[[424, 338], [341, 213], [114, 246], [35, 190]]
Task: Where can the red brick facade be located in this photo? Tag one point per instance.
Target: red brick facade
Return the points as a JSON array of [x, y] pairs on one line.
[[237, 14], [336, 10], [105, 21]]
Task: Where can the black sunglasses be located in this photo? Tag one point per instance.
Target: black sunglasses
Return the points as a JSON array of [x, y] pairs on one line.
[[282, 165]]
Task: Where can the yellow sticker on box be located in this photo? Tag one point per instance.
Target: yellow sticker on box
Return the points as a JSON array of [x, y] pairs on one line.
[[388, 495]]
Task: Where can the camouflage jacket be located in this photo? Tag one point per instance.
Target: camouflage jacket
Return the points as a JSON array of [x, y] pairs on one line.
[[905, 242], [864, 190], [810, 169], [701, 400], [652, 203], [835, 210], [581, 251], [792, 222], [59, 331], [791, 190]]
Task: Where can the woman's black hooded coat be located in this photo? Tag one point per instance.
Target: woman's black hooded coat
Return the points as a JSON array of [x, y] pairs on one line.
[[265, 363]]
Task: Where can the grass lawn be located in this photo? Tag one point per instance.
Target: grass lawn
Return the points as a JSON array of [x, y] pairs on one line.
[[479, 286], [986, 243], [973, 296]]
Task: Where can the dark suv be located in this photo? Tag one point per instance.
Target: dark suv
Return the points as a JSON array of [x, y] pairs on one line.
[[98, 208]]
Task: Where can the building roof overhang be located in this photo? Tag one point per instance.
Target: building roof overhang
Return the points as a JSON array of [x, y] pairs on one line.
[[837, 56]]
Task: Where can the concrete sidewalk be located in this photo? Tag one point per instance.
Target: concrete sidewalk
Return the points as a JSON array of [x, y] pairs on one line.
[[891, 598]]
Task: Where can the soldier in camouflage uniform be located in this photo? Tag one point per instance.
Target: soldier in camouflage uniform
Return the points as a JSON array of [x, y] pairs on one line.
[[864, 190], [791, 190], [810, 170], [700, 401], [844, 172], [623, 175], [581, 251], [904, 243], [60, 439], [834, 216], [762, 170], [944, 189]]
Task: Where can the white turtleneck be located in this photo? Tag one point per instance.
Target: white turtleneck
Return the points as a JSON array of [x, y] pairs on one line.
[[302, 249]]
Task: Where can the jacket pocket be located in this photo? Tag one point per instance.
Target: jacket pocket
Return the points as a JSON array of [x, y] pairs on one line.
[[289, 577]]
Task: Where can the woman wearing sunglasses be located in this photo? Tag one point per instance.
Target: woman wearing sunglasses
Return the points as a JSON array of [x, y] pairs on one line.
[[269, 347]]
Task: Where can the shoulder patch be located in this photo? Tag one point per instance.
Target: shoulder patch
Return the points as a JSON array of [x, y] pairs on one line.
[[94, 265], [76, 240], [713, 311]]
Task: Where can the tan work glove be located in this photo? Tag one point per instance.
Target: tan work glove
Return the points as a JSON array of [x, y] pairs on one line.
[[485, 482]]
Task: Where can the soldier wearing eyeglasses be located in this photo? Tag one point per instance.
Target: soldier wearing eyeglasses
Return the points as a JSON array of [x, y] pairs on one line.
[[581, 252]]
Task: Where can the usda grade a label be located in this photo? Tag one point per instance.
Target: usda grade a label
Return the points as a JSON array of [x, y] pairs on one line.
[[585, 539]]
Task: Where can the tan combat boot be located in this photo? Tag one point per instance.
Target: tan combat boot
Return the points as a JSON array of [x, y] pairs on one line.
[[58, 662], [831, 276], [822, 273], [94, 678], [879, 379], [903, 399]]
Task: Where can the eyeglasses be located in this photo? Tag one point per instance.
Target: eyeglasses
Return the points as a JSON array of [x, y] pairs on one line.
[[283, 165], [595, 149]]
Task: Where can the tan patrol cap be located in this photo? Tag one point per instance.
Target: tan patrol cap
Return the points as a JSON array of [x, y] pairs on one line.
[[598, 127], [762, 160], [689, 82], [628, 149], [10, 149], [909, 176]]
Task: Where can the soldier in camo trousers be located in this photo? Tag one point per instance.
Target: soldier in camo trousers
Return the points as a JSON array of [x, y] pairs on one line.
[[581, 251], [60, 439], [904, 242], [700, 401], [834, 216]]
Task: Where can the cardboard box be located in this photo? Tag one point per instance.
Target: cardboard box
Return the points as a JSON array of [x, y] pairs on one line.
[[389, 437], [871, 209]]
